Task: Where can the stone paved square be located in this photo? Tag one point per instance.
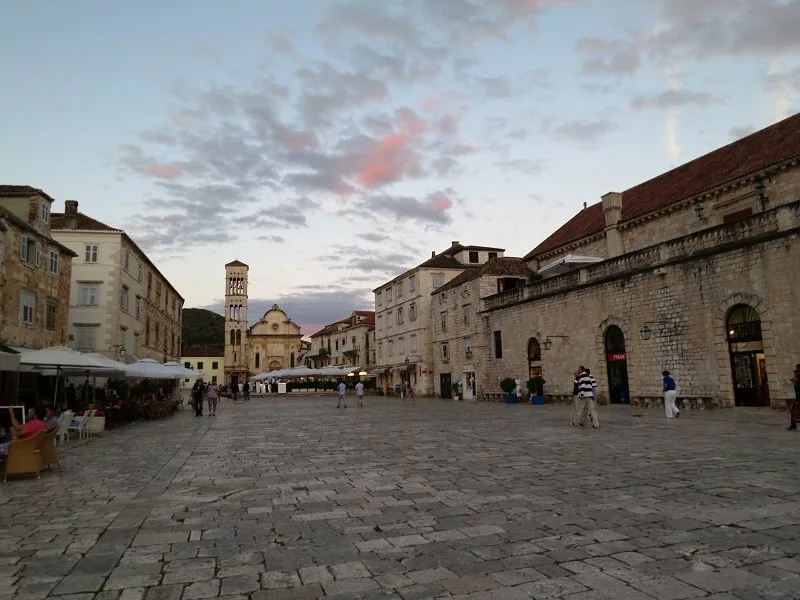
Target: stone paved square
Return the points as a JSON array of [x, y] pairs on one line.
[[287, 497]]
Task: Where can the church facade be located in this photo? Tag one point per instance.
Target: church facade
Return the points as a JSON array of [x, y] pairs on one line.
[[273, 343]]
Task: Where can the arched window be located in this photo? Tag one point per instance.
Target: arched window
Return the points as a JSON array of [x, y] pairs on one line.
[[258, 360], [743, 324], [233, 337], [238, 337], [291, 360]]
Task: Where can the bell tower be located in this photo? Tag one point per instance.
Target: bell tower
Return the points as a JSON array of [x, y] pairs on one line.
[[236, 273]]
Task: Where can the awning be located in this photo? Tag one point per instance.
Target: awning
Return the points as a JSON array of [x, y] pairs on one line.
[[9, 361], [567, 263]]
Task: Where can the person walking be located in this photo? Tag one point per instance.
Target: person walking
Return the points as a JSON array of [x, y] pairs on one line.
[[235, 391], [576, 398], [197, 398], [360, 394], [213, 399], [246, 391], [342, 390], [794, 410], [587, 388], [670, 395]]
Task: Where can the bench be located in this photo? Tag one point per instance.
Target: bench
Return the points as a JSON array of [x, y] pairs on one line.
[[494, 396]]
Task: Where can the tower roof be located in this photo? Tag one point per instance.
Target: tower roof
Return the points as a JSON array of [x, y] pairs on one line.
[[236, 263]]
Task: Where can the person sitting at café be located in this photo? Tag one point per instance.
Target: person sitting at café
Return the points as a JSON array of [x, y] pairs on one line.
[[34, 425], [50, 418]]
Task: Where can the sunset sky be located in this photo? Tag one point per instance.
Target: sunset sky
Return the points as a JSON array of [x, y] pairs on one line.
[[333, 144]]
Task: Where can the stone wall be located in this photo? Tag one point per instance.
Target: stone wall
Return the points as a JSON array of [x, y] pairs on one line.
[[19, 276], [684, 289]]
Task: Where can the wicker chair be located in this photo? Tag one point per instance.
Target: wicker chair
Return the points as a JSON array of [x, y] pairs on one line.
[[23, 457], [47, 449]]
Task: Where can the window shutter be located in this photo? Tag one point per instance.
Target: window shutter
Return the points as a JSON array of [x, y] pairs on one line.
[[23, 248], [37, 254]]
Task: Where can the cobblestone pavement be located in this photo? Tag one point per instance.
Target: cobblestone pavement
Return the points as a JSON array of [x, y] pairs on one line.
[[290, 498]]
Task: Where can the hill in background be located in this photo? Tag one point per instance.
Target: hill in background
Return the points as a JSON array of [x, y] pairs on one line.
[[203, 327]]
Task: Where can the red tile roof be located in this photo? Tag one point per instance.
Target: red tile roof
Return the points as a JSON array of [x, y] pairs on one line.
[[12, 191], [506, 265], [202, 351], [770, 146], [236, 263], [61, 222]]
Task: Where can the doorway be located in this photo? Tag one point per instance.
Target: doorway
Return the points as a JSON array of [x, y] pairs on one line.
[[748, 363], [235, 382], [468, 386], [617, 366], [534, 358], [445, 386]]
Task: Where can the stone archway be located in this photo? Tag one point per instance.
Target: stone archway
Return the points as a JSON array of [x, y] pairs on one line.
[[274, 365], [725, 393], [600, 371]]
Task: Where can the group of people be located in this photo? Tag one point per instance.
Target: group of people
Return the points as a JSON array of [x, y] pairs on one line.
[[40, 418], [584, 392], [341, 391], [203, 393]]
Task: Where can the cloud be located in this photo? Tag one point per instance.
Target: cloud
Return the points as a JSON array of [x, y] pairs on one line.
[[432, 210], [607, 57], [740, 132], [528, 166], [674, 98], [586, 132]]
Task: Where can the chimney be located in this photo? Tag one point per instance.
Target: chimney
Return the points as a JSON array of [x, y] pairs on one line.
[[612, 210], [433, 253], [71, 214], [455, 243]]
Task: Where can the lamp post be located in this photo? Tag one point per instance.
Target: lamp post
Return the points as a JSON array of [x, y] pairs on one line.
[[548, 343], [646, 333]]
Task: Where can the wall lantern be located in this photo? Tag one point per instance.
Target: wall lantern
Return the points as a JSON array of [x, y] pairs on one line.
[[699, 211], [468, 352], [548, 343], [645, 332]]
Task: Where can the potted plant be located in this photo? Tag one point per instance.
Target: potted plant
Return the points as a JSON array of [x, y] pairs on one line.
[[457, 390], [536, 388], [509, 386]]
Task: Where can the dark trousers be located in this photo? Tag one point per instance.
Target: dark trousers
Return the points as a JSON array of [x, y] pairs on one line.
[[198, 408]]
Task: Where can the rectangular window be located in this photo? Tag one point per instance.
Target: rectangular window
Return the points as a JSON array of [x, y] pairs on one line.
[[492, 255], [53, 265], [139, 273], [388, 294], [412, 312], [214, 365], [123, 298], [389, 316], [136, 344], [30, 250], [467, 309], [445, 352], [187, 365], [378, 299], [91, 254], [51, 311], [399, 293], [412, 284], [437, 280], [412, 343], [737, 216], [213, 379], [498, 344], [443, 322], [380, 350], [401, 346], [473, 257], [400, 316], [199, 365], [89, 295], [27, 307], [127, 264], [85, 338], [138, 307], [391, 348], [44, 211]]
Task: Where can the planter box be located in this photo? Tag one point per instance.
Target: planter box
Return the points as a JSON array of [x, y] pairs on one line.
[[538, 400], [96, 425], [511, 398]]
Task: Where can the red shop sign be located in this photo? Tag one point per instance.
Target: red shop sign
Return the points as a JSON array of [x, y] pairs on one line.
[[618, 357]]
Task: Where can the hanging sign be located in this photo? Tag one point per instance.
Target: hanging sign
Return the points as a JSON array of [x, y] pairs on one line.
[[618, 357]]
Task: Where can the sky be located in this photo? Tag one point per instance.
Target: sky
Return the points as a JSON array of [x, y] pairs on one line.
[[333, 144]]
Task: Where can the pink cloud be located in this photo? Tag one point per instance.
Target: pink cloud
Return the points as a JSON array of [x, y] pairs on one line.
[[411, 123], [163, 171], [448, 125], [387, 161], [441, 202]]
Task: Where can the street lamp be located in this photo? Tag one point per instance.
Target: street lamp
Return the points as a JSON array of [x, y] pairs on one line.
[[548, 343], [646, 333]]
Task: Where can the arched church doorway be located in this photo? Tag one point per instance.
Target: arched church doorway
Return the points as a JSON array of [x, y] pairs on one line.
[[748, 363], [274, 366], [617, 366]]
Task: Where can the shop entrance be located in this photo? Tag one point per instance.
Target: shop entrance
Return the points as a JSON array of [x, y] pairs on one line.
[[748, 363], [445, 386], [617, 366]]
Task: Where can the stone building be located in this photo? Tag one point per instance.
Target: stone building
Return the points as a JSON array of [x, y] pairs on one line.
[[208, 360], [35, 271], [121, 305], [403, 316], [692, 271], [350, 341], [273, 343], [457, 331]]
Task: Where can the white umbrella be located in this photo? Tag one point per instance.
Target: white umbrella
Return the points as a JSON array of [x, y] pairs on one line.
[[302, 372], [147, 368], [9, 361], [60, 357], [183, 372], [333, 372]]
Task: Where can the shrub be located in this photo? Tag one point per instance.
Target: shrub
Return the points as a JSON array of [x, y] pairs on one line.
[[508, 385]]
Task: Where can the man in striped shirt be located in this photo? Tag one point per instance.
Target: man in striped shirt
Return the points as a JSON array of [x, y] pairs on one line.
[[587, 388]]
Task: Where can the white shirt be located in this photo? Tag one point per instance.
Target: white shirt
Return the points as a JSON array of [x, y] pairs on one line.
[[360, 388], [342, 389]]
